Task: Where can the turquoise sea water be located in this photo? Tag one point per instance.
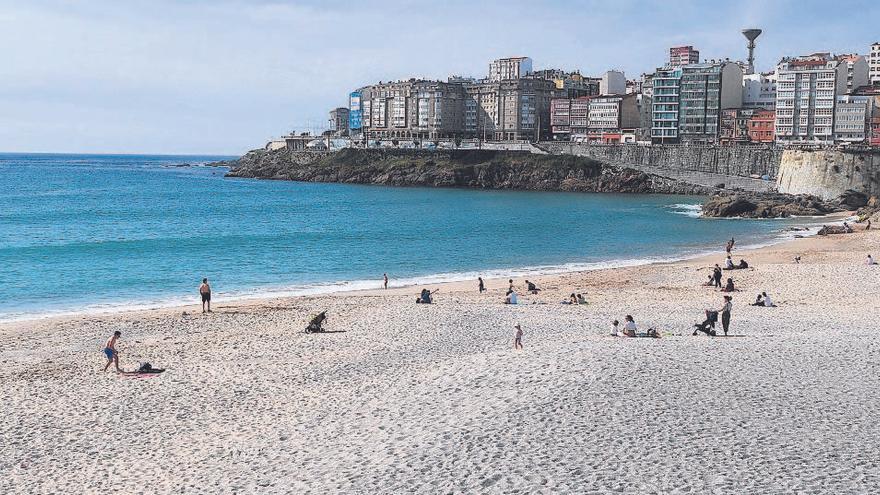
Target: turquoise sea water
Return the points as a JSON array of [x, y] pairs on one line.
[[82, 232]]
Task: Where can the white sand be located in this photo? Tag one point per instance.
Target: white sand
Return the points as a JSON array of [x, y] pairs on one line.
[[433, 399]]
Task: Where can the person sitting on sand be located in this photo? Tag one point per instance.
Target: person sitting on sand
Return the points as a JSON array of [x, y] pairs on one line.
[[614, 325], [729, 286], [710, 282], [728, 263], [572, 299], [205, 292], [111, 352], [629, 326], [742, 264], [847, 228], [581, 299], [510, 297], [870, 260], [532, 287], [517, 337]]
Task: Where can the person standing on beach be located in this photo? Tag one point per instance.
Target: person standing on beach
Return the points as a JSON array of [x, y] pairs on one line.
[[730, 244], [482, 286], [517, 338], [725, 313], [111, 352], [716, 275], [205, 292], [385, 278], [510, 285]]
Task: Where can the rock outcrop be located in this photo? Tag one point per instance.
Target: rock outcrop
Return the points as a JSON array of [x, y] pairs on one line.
[[481, 169], [752, 205]]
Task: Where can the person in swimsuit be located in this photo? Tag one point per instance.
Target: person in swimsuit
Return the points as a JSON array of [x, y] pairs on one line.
[[205, 291], [385, 277], [517, 338], [111, 352]]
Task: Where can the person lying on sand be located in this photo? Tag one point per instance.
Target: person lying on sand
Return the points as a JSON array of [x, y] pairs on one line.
[[572, 299], [110, 351]]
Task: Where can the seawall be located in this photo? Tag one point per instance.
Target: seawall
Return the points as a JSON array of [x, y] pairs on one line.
[[828, 174]]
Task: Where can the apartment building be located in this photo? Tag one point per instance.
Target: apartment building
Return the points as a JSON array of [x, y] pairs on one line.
[[609, 116], [735, 126], [504, 69], [683, 55], [339, 121], [874, 63], [759, 90], [856, 71], [516, 109], [704, 90], [761, 126], [613, 82], [852, 117], [413, 109], [665, 106], [806, 91]]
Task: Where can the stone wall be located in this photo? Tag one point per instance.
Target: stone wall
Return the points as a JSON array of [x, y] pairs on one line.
[[742, 161], [828, 174]]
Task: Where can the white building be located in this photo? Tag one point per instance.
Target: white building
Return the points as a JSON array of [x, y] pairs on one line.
[[759, 91], [806, 91], [851, 117], [613, 83], [503, 69], [874, 63], [856, 71]]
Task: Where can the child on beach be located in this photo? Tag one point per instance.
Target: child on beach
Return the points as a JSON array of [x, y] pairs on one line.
[[614, 325], [517, 338], [111, 352]]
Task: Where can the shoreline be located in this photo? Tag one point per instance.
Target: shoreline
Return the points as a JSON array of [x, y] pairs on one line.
[[450, 279]]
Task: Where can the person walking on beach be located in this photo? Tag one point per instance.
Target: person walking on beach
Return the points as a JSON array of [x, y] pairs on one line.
[[205, 292], [716, 274], [385, 279], [725, 313], [517, 338], [111, 352], [482, 287]]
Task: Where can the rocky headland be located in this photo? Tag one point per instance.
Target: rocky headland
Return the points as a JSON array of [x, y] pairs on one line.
[[515, 170]]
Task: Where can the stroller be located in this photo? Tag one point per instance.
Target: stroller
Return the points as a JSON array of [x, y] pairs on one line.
[[316, 322], [708, 325]]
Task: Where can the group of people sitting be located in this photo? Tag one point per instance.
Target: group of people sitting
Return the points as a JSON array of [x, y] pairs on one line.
[[763, 300], [728, 264], [630, 329], [575, 299], [426, 296]]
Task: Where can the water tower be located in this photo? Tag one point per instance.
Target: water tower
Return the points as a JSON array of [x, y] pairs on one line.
[[751, 35]]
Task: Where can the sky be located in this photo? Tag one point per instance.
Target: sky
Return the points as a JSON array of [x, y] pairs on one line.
[[224, 76]]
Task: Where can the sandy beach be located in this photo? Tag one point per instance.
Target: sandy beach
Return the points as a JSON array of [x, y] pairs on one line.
[[406, 398]]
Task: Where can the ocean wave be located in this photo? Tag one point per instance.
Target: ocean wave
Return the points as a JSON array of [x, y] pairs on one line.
[[690, 210]]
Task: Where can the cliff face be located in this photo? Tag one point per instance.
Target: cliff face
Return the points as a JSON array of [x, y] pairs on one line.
[[829, 174], [481, 169]]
